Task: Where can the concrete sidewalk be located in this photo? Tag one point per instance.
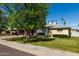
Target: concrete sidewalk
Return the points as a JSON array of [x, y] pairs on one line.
[[36, 50]]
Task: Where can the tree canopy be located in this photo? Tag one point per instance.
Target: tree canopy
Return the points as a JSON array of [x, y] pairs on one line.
[[25, 16]]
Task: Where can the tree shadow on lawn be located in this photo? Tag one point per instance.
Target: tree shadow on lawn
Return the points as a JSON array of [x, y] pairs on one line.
[[24, 40]]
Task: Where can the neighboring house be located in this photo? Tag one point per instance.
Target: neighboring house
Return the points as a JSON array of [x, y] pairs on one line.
[[59, 31], [75, 32], [52, 29], [13, 32]]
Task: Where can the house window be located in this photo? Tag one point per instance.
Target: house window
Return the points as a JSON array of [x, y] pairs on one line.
[[59, 30]]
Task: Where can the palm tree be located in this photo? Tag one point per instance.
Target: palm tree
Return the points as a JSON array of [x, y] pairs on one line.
[[64, 21], [78, 25]]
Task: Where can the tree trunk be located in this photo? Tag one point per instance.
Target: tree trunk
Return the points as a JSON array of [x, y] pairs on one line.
[[25, 32], [10, 32], [29, 34]]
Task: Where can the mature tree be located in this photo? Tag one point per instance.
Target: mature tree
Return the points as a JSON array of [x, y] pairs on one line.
[[2, 20], [35, 16], [26, 16]]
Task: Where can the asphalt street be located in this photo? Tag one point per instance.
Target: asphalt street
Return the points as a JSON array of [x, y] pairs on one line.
[[7, 51]]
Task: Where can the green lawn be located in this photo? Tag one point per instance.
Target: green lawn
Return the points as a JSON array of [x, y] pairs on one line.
[[71, 44]]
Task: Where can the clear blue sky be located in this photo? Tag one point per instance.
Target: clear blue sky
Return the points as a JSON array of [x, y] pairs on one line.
[[68, 11]]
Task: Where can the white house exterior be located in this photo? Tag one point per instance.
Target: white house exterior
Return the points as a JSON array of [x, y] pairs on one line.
[[53, 29], [59, 31]]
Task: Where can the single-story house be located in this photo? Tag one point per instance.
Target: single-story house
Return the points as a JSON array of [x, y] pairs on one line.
[[12, 32], [52, 31]]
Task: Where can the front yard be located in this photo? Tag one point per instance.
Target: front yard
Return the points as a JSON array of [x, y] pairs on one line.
[[71, 44]]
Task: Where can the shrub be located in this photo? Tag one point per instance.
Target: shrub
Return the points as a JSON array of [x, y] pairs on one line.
[[35, 39], [60, 35], [24, 40]]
